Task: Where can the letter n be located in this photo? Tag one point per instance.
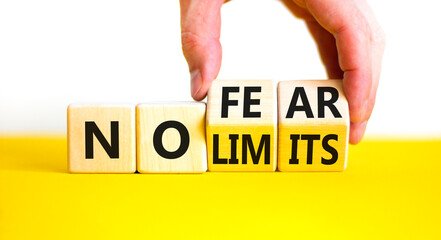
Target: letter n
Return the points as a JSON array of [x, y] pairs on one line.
[[111, 149]]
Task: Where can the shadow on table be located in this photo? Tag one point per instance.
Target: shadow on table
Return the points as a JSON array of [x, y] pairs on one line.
[[43, 153]]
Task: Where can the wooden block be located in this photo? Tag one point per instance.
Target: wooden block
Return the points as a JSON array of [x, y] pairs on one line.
[[241, 126], [101, 138], [313, 126], [171, 138]]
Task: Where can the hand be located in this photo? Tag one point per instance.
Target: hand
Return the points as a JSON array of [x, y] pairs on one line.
[[348, 37]]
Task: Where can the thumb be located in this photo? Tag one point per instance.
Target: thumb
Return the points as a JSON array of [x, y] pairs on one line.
[[200, 32]]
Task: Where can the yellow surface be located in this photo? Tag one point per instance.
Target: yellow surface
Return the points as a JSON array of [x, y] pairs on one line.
[[150, 116], [299, 124], [390, 190], [102, 115]]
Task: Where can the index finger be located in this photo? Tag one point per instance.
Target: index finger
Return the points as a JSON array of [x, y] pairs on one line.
[[360, 45]]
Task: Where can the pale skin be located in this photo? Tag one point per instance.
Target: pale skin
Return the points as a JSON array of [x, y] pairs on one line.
[[348, 37]]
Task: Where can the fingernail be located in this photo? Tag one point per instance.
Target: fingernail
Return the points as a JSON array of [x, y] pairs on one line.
[[362, 128], [196, 82], [362, 111], [357, 132], [364, 114]]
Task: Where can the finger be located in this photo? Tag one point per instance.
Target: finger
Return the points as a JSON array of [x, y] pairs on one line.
[[328, 52], [324, 40], [200, 32], [326, 45], [360, 45], [357, 36], [298, 10], [357, 131], [327, 49]]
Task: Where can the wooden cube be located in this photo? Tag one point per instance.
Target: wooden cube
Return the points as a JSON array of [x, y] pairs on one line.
[[101, 138], [241, 126], [313, 126], [171, 137]]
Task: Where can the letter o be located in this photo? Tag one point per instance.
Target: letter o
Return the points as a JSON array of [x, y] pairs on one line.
[[157, 139]]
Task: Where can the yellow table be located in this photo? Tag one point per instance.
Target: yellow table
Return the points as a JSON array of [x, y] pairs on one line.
[[390, 190]]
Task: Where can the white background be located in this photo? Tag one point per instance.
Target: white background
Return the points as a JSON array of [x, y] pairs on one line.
[[53, 53]]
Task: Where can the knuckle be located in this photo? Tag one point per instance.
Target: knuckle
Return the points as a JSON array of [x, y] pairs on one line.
[[191, 40], [371, 30]]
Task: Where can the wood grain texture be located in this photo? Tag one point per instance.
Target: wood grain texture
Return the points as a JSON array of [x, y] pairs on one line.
[[189, 114], [102, 116], [319, 133], [240, 141]]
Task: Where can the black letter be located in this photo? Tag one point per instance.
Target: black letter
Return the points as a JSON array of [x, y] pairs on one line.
[[265, 140], [299, 91], [330, 149], [330, 103], [226, 101], [247, 102], [157, 139], [310, 138], [295, 139], [216, 159], [111, 149], [233, 159]]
